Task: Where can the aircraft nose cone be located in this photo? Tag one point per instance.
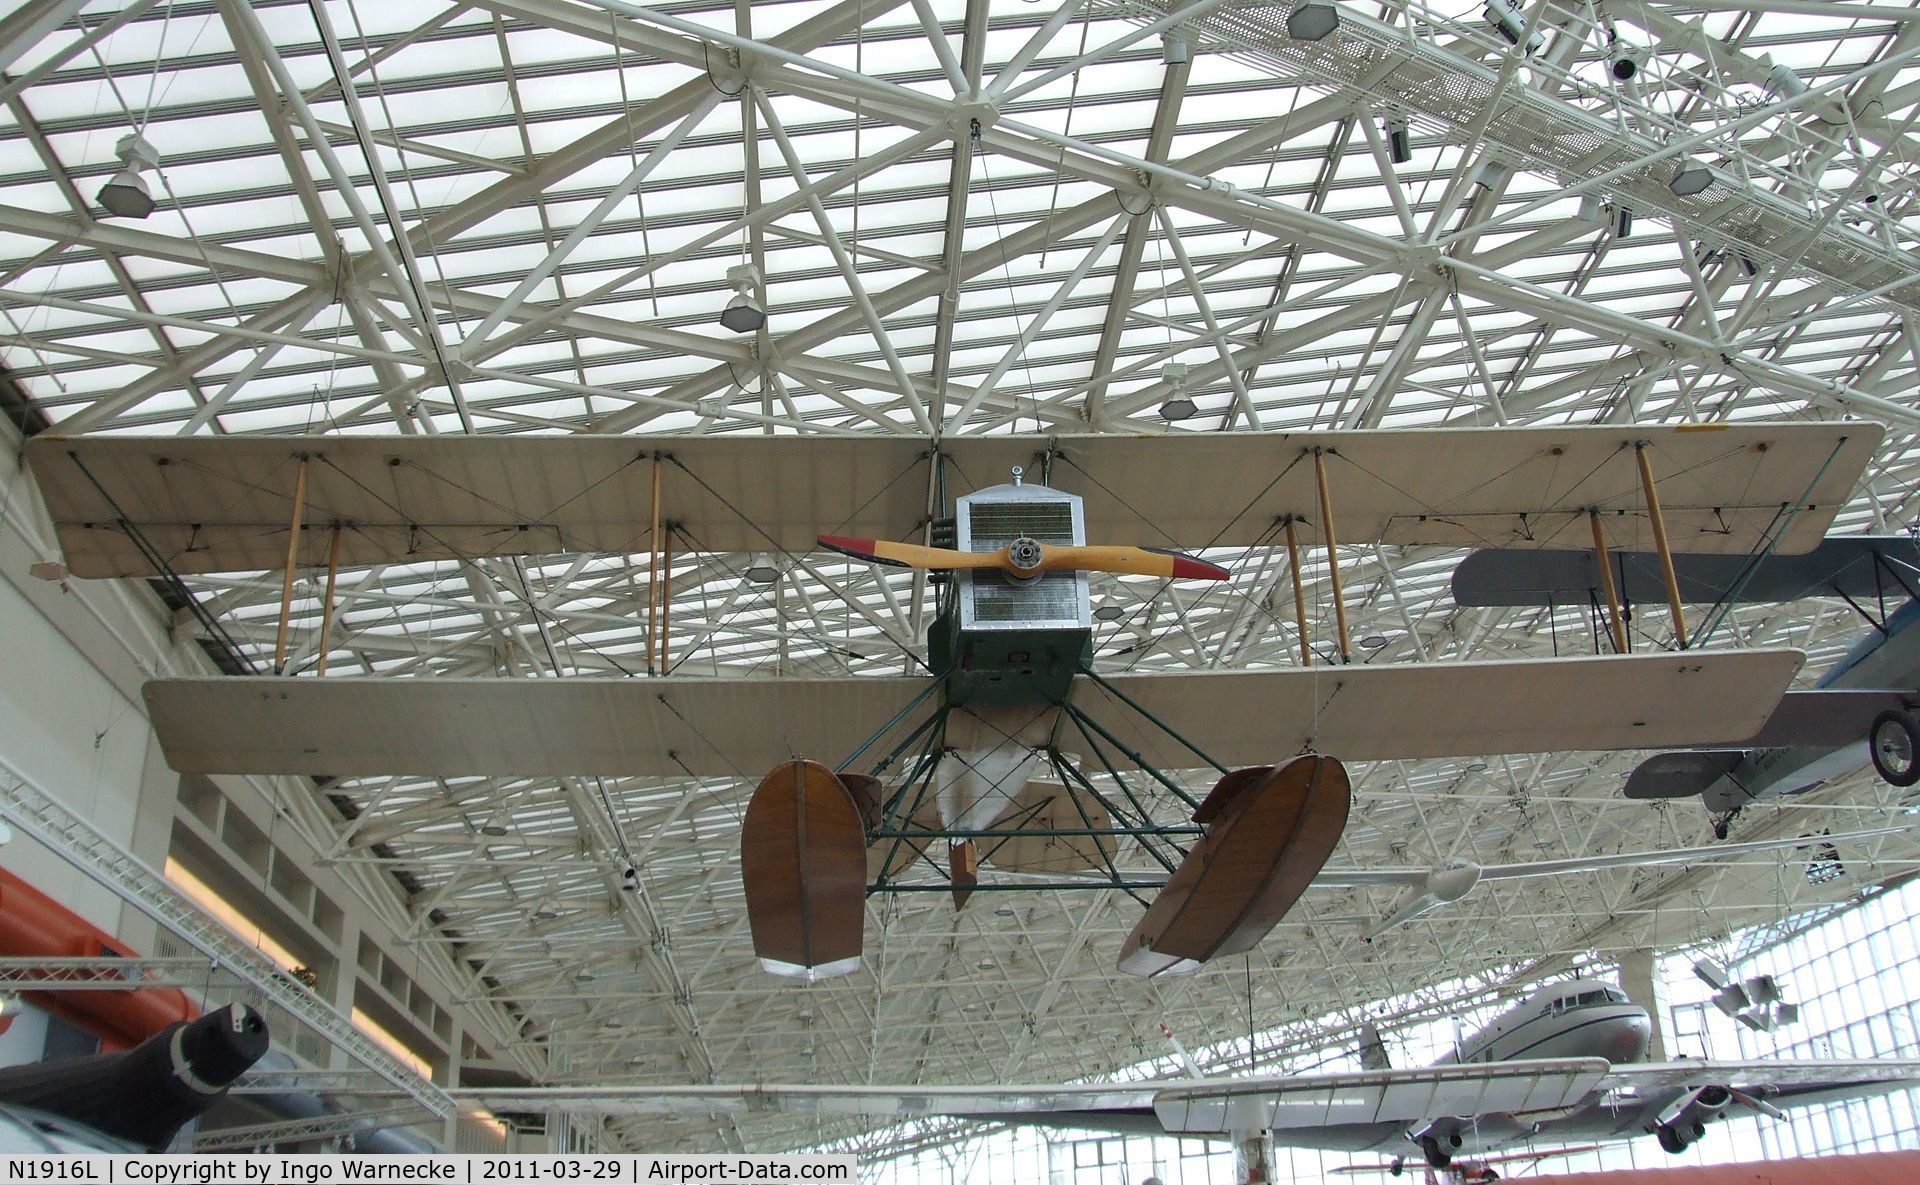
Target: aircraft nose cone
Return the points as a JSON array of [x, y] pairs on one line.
[[1631, 1040]]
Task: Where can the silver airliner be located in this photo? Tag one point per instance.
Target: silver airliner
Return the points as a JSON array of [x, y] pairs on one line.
[[1563, 1065]]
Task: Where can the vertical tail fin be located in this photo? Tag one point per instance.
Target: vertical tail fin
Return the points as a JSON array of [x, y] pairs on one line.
[[1373, 1049]]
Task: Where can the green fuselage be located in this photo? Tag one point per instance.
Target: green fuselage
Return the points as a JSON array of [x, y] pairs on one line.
[[1006, 668]]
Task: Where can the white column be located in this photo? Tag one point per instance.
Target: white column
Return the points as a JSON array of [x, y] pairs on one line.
[[1639, 978]]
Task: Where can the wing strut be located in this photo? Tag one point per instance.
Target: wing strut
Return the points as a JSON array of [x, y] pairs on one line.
[[1659, 525], [1606, 581], [1299, 594], [293, 557], [1333, 560]]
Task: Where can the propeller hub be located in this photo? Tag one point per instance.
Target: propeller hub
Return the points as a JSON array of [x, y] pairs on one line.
[[1024, 554]]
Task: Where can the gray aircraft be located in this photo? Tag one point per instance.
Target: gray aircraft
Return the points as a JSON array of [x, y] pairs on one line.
[[1860, 712], [1563, 1065]]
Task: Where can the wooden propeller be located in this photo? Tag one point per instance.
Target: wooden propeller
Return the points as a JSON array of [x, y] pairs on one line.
[[1027, 557]]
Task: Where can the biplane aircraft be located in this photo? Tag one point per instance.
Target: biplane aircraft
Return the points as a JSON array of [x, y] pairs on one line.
[[1563, 1064], [946, 757], [1860, 712]]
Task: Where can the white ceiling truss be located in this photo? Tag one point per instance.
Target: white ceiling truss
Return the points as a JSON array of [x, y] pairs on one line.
[[513, 216]]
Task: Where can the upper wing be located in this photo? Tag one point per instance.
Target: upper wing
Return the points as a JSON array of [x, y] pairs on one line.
[[1411, 710], [1849, 565], [220, 503], [661, 727]]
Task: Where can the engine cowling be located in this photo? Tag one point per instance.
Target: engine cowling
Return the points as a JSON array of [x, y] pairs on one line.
[[1711, 1101], [1680, 1126]]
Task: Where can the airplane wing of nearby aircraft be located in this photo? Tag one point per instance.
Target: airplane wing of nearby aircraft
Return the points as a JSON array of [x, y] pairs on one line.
[[1430, 888], [1863, 709], [1353, 1110], [1861, 566], [1198, 1106]]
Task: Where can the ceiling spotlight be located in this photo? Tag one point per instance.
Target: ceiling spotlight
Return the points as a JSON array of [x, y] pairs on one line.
[[493, 829], [1399, 145], [1507, 20], [1178, 406], [1626, 60], [1109, 613], [1312, 21], [1693, 178], [744, 313], [125, 195], [1784, 83], [762, 574]]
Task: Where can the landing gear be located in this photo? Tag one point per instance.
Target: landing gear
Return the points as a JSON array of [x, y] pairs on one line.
[[1894, 741], [1437, 1157], [1723, 824], [1397, 1167], [1671, 1139]]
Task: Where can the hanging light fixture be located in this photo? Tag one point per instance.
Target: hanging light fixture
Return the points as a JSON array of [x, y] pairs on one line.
[[1312, 21], [1177, 406], [125, 195], [1399, 144], [744, 313]]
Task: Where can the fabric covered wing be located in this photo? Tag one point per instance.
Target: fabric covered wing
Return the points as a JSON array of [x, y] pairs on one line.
[[1824, 717], [1365, 713], [1681, 774], [212, 504], [1861, 566], [663, 727]]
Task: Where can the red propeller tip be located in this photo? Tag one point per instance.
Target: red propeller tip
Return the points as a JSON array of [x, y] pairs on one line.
[[848, 545], [1186, 567]]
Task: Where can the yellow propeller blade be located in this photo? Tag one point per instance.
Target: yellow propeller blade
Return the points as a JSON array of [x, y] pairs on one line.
[[1029, 559]]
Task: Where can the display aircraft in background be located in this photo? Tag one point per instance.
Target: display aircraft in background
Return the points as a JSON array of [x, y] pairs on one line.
[[1860, 712], [135, 1100], [1470, 1170], [1011, 685], [1564, 1064], [1426, 889]]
